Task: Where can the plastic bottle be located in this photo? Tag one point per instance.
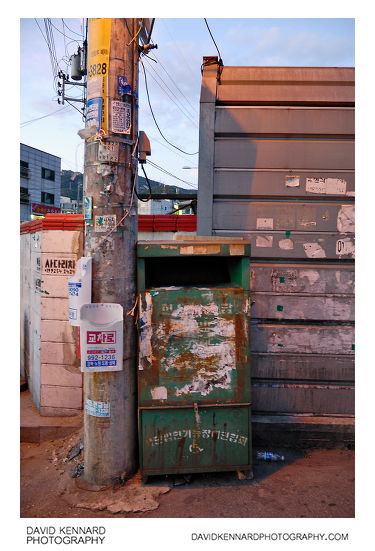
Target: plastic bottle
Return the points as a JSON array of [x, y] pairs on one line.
[[270, 456]]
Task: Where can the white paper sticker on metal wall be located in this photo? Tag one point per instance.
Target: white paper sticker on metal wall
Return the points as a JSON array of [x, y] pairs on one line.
[[292, 181], [120, 117], [101, 337], [79, 287], [345, 247], [326, 186], [264, 223]]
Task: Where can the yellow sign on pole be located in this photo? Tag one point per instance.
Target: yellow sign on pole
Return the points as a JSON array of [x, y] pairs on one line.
[[99, 37]]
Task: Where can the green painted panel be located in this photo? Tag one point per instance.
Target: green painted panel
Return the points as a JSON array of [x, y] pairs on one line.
[[183, 440], [194, 346]]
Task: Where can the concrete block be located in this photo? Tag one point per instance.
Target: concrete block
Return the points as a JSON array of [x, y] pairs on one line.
[[62, 241], [61, 375], [58, 331], [61, 397], [52, 286], [59, 412], [59, 353], [55, 308]]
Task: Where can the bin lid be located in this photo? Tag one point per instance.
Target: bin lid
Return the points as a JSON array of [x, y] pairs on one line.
[[195, 246]]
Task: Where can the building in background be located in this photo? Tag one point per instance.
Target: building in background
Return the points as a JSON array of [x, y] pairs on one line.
[[69, 206], [154, 206], [40, 183]]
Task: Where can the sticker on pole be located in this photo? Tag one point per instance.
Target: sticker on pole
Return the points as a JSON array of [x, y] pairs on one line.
[[120, 117], [79, 287], [101, 337]]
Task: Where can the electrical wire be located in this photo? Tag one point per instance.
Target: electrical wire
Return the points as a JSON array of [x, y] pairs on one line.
[[149, 188], [157, 60], [170, 174], [177, 48], [169, 148], [63, 32], [186, 113], [209, 30], [153, 116], [135, 36], [52, 58], [22, 124], [69, 29]]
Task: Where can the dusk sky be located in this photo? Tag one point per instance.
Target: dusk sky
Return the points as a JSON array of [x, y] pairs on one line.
[[174, 80]]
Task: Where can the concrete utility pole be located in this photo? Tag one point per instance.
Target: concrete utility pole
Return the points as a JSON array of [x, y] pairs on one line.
[[110, 443]]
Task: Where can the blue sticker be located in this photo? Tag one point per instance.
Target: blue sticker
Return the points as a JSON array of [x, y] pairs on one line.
[[94, 112], [122, 86], [97, 409]]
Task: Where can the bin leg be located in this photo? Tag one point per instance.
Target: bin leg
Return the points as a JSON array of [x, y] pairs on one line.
[[245, 474]]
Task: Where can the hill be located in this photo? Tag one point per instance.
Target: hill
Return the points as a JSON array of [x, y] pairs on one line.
[[72, 181]]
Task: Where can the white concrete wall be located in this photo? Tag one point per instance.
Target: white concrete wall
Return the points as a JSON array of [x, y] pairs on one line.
[[55, 378]]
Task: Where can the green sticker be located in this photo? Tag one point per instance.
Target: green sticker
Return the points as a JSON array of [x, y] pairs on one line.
[[287, 233], [353, 346], [280, 308], [280, 345], [282, 279]]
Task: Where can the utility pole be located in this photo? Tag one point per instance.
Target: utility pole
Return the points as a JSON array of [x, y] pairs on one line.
[[111, 225]]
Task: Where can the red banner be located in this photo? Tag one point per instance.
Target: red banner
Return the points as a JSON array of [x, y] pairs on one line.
[[37, 208]]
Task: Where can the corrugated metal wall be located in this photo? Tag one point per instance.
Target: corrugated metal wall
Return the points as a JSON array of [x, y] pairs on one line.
[[276, 166]]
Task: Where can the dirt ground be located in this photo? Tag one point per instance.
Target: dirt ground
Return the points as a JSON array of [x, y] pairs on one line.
[[309, 484]]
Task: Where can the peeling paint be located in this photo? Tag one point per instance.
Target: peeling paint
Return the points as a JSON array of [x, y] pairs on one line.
[[222, 357], [200, 249], [314, 250], [345, 247], [312, 275], [159, 393], [286, 244], [345, 219], [145, 351], [168, 246], [264, 241], [236, 250]]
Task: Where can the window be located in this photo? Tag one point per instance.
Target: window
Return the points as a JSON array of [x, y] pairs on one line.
[[48, 198], [24, 169], [25, 196], [48, 174]]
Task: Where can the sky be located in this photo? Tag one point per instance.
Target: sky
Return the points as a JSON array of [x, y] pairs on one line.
[[174, 80]]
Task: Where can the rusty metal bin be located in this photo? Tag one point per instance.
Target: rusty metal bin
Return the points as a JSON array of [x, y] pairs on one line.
[[194, 356]]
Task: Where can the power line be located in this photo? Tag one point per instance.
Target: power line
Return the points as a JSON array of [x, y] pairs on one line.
[[172, 79], [43, 117], [170, 174], [63, 32], [186, 113], [205, 20], [175, 44], [153, 116], [169, 149], [69, 29]]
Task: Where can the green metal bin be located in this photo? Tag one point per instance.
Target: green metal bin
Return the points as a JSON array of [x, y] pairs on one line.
[[194, 356]]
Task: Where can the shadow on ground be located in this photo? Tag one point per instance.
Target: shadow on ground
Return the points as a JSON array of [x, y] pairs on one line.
[[261, 470]]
